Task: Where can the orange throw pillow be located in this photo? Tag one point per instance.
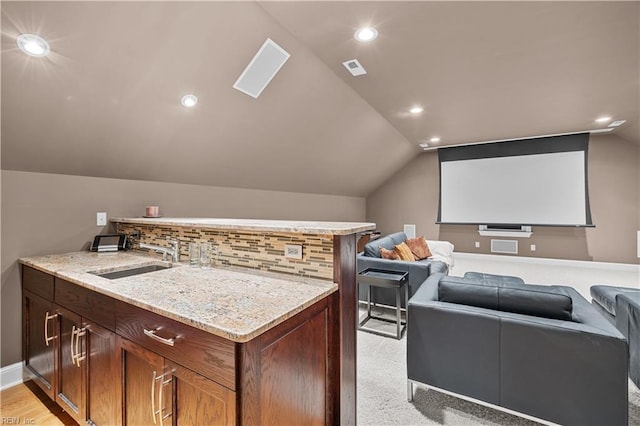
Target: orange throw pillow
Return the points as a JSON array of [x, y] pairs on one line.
[[404, 252], [388, 254], [419, 247]]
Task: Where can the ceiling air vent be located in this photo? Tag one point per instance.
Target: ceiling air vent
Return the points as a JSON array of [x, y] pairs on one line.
[[354, 67], [262, 68]]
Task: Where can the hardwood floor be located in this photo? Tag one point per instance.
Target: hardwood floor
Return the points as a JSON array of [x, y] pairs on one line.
[[27, 404]]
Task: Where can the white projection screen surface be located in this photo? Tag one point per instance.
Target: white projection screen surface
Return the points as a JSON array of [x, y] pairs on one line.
[[531, 189]]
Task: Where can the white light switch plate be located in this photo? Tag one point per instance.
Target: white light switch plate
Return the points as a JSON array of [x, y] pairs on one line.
[[292, 251], [101, 219]]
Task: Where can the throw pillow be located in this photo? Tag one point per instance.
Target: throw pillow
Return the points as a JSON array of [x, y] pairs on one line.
[[404, 252], [388, 254], [419, 247]]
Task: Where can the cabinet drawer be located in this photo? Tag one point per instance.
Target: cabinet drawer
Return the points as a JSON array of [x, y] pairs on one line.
[[37, 282], [202, 352], [88, 303]]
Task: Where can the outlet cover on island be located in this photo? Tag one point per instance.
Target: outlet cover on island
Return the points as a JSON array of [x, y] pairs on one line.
[[101, 219], [533, 247], [477, 244], [292, 251]]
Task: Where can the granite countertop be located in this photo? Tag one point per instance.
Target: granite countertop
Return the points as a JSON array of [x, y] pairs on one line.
[[288, 226], [231, 303]]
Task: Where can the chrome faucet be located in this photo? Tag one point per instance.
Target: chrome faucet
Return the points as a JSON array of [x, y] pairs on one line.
[[174, 251]]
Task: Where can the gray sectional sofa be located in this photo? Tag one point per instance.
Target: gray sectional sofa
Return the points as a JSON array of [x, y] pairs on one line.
[[621, 306], [418, 271], [543, 351]]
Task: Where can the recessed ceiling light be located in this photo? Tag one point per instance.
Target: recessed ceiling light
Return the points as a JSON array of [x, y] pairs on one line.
[[424, 145], [435, 139], [416, 109], [603, 119], [33, 45], [189, 101], [617, 123], [366, 34]]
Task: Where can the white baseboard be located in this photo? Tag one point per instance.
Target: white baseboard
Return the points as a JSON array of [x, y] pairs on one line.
[[11, 375], [623, 267]]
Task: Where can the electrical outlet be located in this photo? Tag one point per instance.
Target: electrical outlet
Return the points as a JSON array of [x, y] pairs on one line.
[[292, 251], [101, 219], [477, 244], [533, 247]]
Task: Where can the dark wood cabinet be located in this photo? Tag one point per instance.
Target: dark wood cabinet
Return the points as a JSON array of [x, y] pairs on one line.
[[158, 391], [104, 373], [142, 379], [73, 359], [109, 362], [39, 341], [197, 400], [71, 374]]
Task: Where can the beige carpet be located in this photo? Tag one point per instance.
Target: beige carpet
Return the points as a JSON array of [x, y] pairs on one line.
[[382, 393]]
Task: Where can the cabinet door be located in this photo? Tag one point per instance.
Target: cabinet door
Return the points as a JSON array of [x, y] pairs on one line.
[[39, 337], [142, 371], [71, 366], [104, 376], [196, 399]]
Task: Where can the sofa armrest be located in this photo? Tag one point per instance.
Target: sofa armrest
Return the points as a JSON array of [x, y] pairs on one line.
[[626, 307], [628, 322], [418, 271], [428, 291]]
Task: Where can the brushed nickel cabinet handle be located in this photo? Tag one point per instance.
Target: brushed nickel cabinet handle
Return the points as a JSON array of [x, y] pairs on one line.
[[153, 397], [71, 346], [163, 383], [47, 317], [79, 333], [154, 336]]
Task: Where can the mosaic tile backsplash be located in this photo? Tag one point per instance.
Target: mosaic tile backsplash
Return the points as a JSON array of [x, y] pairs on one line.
[[261, 251]]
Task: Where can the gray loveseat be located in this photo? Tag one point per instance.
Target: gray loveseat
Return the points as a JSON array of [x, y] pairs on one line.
[[418, 270], [539, 350]]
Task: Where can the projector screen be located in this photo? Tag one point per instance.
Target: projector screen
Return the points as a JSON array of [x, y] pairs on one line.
[[526, 182]]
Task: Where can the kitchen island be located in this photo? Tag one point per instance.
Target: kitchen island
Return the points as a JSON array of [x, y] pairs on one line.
[[182, 345]]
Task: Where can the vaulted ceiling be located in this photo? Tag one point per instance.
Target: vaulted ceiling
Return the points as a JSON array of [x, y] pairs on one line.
[[106, 101]]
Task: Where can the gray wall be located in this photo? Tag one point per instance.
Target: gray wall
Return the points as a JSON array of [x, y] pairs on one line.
[[411, 196], [48, 213]]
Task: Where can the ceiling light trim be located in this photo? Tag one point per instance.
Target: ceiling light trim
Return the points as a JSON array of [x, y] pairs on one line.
[[33, 45], [189, 101], [366, 34]]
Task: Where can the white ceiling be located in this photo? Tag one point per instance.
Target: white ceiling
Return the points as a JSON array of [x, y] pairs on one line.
[[106, 102]]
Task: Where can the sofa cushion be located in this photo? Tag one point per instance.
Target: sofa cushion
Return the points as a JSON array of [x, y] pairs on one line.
[[535, 300], [388, 254], [419, 247], [494, 279], [372, 248], [404, 252]]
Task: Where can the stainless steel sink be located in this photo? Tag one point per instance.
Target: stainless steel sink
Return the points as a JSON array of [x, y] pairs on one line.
[[130, 272]]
